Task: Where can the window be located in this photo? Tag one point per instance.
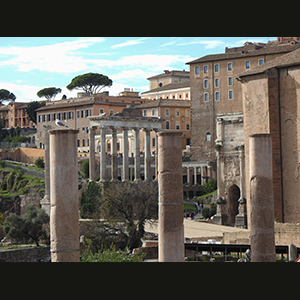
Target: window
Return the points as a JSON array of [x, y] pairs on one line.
[[230, 95], [167, 124], [208, 137], [196, 70], [187, 112], [64, 116], [217, 68], [260, 61], [82, 114], [145, 112], [83, 142], [187, 125], [153, 142], [111, 112], [40, 118], [101, 111], [247, 64], [205, 69], [205, 83], [78, 114], [59, 116], [70, 115], [230, 82], [229, 66], [217, 96], [206, 97], [153, 112], [78, 143], [83, 129], [186, 95], [177, 112], [177, 125], [217, 82], [167, 111]]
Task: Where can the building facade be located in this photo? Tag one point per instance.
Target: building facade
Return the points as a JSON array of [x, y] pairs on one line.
[[214, 89], [74, 113]]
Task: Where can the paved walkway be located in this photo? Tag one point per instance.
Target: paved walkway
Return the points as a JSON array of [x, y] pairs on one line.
[[194, 229]]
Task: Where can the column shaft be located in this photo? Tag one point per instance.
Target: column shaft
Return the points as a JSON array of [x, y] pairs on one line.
[[102, 155], [64, 216], [147, 161], [125, 171], [137, 166], [114, 161], [92, 166], [170, 212], [261, 199]]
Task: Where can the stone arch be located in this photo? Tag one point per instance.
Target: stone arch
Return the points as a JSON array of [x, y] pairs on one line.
[[234, 194]]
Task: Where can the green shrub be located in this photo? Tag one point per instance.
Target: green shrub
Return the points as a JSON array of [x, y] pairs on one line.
[[85, 168], [40, 163], [111, 255], [205, 212]]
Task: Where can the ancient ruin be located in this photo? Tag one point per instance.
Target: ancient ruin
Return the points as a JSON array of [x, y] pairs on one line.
[[64, 215], [111, 124], [170, 211]]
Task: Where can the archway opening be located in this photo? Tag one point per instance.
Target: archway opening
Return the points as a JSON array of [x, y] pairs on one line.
[[234, 194]]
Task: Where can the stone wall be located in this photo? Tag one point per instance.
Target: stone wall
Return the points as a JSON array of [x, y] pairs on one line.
[[25, 255]]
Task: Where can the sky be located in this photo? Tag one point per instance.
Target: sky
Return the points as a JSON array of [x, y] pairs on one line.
[[29, 64]]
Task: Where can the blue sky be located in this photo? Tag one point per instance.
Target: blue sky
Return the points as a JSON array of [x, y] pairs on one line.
[[28, 64]]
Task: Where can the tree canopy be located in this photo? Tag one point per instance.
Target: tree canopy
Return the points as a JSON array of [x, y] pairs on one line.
[[6, 95], [49, 93], [30, 109], [28, 226], [91, 83]]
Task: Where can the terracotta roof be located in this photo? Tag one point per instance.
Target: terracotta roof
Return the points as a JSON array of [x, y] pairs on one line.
[[287, 60], [173, 73], [72, 104], [270, 49], [171, 86], [165, 102]]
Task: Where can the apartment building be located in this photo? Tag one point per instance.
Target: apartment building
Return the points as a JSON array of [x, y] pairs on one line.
[[176, 114], [75, 112], [214, 89], [14, 115]]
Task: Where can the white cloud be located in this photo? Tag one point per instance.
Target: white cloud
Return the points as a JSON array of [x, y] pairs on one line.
[[26, 93], [129, 43], [135, 74], [58, 57], [208, 44], [152, 62]]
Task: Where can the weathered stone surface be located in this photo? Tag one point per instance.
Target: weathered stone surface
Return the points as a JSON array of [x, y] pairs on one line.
[[64, 215], [170, 224]]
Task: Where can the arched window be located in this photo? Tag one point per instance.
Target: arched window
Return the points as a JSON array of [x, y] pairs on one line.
[[208, 137]]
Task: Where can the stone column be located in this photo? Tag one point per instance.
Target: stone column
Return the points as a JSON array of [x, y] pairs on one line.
[[170, 212], [147, 158], [45, 202], [156, 155], [102, 154], [125, 172], [188, 175], [195, 175], [137, 166], [241, 219], [64, 216], [114, 158], [92, 167], [261, 198]]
